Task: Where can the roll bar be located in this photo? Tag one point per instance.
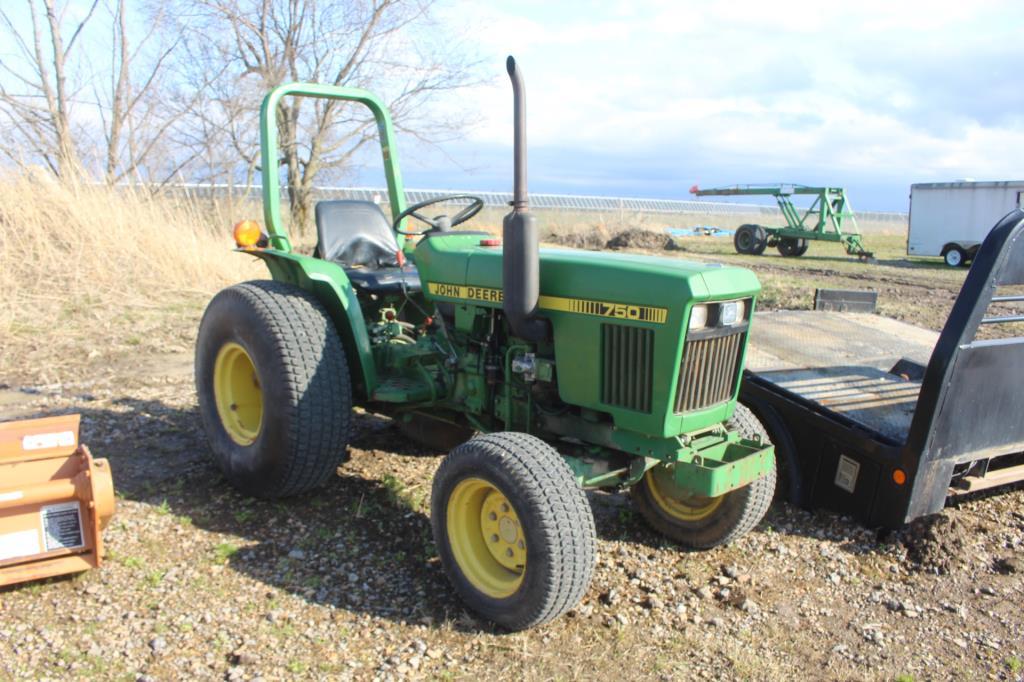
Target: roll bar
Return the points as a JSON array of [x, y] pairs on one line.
[[269, 158]]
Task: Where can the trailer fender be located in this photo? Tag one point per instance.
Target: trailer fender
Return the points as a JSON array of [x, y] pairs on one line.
[[331, 286], [789, 485]]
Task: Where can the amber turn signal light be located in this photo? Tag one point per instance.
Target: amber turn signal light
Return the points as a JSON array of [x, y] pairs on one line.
[[899, 476], [247, 234]]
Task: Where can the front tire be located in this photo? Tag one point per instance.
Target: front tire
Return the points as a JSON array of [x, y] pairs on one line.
[[274, 391], [514, 530], [704, 522]]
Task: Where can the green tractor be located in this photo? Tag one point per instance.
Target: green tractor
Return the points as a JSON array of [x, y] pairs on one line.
[[546, 373]]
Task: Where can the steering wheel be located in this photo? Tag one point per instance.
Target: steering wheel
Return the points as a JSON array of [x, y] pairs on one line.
[[441, 223]]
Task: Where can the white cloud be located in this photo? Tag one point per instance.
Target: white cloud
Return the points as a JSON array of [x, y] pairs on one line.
[[894, 90]]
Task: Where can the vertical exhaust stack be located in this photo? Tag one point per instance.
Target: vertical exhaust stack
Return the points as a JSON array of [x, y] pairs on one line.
[[520, 251]]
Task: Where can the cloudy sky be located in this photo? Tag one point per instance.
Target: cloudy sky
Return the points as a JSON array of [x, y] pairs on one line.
[[648, 97]]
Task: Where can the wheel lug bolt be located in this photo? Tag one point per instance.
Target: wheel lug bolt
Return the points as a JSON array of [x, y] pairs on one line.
[[492, 516], [494, 538], [508, 552], [504, 507], [522, 545]]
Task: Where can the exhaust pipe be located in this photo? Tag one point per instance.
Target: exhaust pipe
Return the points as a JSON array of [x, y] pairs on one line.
[[520, 250]]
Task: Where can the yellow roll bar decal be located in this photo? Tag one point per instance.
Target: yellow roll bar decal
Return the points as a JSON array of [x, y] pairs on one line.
[[580, 306]]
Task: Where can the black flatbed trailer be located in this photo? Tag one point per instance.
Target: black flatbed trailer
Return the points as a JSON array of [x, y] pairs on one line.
[[884, 421]]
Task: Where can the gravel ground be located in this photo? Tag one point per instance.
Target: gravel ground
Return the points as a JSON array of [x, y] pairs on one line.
[[202, 583]]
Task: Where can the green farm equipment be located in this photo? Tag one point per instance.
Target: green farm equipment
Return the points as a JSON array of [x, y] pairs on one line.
[[547, 372], [823, 220]]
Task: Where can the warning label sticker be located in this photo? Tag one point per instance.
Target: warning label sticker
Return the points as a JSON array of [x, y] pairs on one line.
[[45, 441], [62, 526], [846, 473], [18, 544]]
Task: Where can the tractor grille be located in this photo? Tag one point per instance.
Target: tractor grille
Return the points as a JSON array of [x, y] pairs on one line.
[[708, 374], [628, 366]]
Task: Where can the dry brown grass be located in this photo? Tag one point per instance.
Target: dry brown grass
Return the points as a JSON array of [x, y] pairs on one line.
[[90, 274], [89, 270]]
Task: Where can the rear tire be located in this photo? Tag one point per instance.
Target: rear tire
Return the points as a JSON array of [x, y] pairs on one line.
[[514, 530], [750, 239], [705, 522], [274, 390], [791, 247]]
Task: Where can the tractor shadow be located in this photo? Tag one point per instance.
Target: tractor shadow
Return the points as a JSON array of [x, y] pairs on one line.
[[362, 544]]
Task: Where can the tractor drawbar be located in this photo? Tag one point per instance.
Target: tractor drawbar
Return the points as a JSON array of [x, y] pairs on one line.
[[520, 251]]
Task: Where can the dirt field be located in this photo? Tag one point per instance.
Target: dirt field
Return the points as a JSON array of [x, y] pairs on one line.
[[202, 583]]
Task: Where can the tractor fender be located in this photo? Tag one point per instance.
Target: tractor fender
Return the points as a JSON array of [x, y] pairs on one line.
[[331, 286]]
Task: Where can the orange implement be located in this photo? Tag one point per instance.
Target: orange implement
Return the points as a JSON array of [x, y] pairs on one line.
[[55, 500]]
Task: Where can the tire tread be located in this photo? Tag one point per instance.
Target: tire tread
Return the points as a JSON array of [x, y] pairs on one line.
[[566, 523]]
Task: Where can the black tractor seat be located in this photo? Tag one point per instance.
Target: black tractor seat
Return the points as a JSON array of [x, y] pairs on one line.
[[357, 236], [386, 281]]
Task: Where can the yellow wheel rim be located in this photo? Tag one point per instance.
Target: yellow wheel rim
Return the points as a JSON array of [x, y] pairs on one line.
[[486, 538], [236, 390], [677, 503]]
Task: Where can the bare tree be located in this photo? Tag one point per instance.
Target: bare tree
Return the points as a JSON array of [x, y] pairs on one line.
[[70, 110], [362, 43], [37, 103], [138, 114]]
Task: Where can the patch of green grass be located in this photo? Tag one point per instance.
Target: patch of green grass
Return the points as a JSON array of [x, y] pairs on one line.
[[224, 551], [243, 515], [126, 561], [283, 631], [1014, 665], [296, 667], [400, 497], [904, 678], [154, 578], [163, 509]]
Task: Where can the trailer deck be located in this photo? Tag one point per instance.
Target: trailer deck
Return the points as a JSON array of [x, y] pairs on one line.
[[841, 361]]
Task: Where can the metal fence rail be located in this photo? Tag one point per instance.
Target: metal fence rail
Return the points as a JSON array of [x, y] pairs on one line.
[[562, 202]]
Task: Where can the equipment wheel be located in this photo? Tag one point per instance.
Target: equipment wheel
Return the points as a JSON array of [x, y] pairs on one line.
[[954, 256], [514, 530], [274, 392], [703, 522], [749, 239], [792, 247]]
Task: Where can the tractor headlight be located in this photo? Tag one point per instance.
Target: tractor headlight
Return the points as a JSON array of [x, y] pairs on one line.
[[698, 316], [731, 313]]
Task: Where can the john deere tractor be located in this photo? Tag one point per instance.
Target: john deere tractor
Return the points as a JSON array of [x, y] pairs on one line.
[[546, 372]]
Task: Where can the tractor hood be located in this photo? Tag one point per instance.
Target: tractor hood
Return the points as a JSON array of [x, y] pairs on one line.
[[669, 284]]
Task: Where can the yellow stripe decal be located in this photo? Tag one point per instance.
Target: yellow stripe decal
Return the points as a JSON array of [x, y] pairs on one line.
[[580, 306], [619, 311]]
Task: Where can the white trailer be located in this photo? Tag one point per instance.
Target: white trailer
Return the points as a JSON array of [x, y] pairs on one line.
[[951, 219]]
